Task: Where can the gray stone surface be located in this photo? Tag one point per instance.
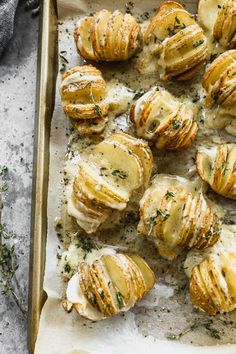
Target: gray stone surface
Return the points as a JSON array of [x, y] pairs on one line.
[[17, 105]]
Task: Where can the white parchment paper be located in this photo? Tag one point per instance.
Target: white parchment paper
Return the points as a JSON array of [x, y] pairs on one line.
[[167, 307]]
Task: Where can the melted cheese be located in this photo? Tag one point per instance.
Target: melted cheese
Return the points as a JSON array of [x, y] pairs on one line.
[[225, 244]]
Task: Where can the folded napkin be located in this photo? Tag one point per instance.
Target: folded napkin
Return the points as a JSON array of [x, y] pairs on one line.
[[7, 16]]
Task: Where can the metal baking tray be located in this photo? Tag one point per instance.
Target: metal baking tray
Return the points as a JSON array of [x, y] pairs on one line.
[[45, 91]]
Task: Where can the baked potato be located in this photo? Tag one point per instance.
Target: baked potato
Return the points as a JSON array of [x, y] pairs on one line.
[[217, 167], [176, 217], [162, 118], [114, 169], [107, 36], [180, 42], [213, 275], [110, 285], [83, 92], [221, 23], [220, 84]]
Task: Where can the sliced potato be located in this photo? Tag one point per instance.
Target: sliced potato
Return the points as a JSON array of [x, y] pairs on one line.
[[107, 36], [146, 271], [176, 217]]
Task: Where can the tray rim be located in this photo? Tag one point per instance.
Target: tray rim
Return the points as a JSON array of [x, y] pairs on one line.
[[47, 65]]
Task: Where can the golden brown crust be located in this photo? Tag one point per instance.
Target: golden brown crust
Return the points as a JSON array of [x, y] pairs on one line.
[[212, 284], [179, 41], [217, 167], [219, 82], [176, 217], [159, 117], [116, 167], [83, 92], [107, 36]]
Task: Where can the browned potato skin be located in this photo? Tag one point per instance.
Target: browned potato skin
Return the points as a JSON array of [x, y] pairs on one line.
[[219, 81], [207, 231], [186, 34], [166, 136], [79, 99], [205, 284], [101, 291], [225, 25], [116, 40], [222, 175]]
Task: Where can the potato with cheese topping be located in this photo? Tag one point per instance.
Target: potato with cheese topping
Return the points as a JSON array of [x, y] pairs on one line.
[[83, 92], [219, 18], [178, 40], [107, 177], [217, 167], [174, 216], [107, 36], [213, 274], [219, 81], [109, 285], [160, 117]]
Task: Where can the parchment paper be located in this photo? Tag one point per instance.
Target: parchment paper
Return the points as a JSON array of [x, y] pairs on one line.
[[167, 307]]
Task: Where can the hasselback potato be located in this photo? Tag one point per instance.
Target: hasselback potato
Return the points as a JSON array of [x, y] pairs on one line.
[[219, 81], [83, 92], [175, 217], [180, 42], [106, 179], [162, 118], [110, 285], [219, 18], [213, 274], [217, 167], [107, 36]]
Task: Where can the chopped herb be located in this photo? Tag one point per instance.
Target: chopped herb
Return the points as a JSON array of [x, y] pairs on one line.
[[85, 243], [120, 299], [138, 94], [97, 110], [198, 43], [102, 294], [3, 170], [169, 194], [58, 256], [213, 332], [177, 26], [120, 174], [96, 107], [67, 268], [176, 124], [63, 58], [173, 336], [196, 98], [161, 213], [63, 68]]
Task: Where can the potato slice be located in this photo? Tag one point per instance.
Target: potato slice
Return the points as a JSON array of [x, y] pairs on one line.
[[80, 303], [123, 169], [82, 37], [120, 276], [146, 271], [137, 147], [97, 36], [138, 281], [113, 27]]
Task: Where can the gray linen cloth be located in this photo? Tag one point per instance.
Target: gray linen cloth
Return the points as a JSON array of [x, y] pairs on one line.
[[7, 15]]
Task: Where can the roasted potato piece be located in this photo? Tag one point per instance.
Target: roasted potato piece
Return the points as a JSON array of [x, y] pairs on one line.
[[174, 217], [106, 179], [83, 92], [222, 21], [160, 117], [111, 284], [217, 167], [219, 81], [107, 36], [178, 40]]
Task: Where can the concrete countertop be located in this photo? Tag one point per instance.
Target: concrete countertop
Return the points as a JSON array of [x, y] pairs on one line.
[[17, 106]]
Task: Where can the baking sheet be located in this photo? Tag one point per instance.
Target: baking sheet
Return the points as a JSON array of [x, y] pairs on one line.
[[167, 307]]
